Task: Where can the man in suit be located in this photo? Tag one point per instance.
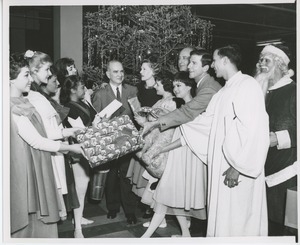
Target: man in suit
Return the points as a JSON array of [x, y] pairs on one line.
[[197, 62], [200, 61], [118, 188]]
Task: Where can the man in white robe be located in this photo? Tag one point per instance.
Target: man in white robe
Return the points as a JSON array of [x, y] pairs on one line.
[[232, 137]]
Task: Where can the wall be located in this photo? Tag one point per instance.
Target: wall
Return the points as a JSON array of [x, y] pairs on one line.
[[68, 33]]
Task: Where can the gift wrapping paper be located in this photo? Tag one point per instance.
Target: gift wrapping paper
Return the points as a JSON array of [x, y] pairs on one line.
[[110, 140]]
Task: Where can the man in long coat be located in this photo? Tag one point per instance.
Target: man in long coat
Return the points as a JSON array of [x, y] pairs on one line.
[[274, 76], [232, 137]]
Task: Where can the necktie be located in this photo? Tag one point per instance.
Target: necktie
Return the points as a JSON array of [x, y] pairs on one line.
[[118, 95]]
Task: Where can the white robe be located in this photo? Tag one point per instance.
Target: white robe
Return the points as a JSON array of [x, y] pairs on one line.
[[234, 131]]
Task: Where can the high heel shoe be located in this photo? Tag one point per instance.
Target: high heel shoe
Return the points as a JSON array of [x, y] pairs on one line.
[[163, 224]]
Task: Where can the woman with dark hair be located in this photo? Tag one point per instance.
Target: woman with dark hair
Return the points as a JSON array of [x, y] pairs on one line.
[[181, 190], [71, 96], [34, 205], [65, 67], [69, 195], [156, 139]]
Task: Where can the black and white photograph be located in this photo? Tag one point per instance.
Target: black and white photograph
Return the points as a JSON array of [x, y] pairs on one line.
[[149, 122]]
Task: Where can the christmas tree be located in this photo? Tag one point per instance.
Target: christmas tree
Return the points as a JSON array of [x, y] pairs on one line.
[[132, 33]]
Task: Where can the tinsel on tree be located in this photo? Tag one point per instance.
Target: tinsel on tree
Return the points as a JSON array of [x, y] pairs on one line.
[[132, 33]]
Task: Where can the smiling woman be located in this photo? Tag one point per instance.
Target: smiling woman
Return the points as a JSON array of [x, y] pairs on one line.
[[34, 202]]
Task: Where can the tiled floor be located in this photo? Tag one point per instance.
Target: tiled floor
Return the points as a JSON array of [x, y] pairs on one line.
[[115, 228]]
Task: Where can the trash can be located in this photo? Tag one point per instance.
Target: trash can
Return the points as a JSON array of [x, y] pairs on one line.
[[97, 184]]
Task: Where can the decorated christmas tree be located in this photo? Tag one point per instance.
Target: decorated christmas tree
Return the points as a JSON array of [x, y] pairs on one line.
[[132, 33]]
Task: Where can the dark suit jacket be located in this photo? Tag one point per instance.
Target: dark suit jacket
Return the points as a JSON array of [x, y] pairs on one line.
[[103, 96], [188, 112]]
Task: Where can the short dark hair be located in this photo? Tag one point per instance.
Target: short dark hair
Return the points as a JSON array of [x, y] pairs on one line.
[[233, 53], [71, 82], [206, 57], [16, 62], [183, 76], [166, 80], [89, 83], [61, 66]]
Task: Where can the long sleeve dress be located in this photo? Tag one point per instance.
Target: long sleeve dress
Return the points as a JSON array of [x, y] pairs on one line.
[[53, 127], [33, 196]]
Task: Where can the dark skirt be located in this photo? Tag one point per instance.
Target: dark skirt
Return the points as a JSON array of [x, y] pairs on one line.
[[71, 199]]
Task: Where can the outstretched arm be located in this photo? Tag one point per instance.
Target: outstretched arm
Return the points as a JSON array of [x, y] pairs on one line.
[[173, 145], [31, 136]]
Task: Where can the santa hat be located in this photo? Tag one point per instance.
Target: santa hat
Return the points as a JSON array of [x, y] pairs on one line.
[[274, 50]]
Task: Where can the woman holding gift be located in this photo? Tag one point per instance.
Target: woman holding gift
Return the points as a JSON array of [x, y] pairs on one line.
[[71, 95], [181, 190], [49, 90], [156, 139], [33, 195], [39, 65]]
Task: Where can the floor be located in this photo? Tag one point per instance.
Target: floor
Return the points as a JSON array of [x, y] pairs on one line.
[[118, 227]]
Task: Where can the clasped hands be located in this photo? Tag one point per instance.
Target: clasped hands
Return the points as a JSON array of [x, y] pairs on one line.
[[231, 177]]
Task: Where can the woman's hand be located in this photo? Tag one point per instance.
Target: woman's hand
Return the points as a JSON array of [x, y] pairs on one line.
[[139, 119], [67, 132], [103, 85], [77, 148]]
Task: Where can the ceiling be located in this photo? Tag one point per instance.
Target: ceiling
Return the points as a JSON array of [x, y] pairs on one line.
[[250, 21]]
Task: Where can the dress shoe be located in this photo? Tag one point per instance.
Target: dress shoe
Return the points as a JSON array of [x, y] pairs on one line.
[[163, 224], [131, 219], [84, 221], [112, 214]]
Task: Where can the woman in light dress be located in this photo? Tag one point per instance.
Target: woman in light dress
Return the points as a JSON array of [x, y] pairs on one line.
[[181, 190], [39, 65]]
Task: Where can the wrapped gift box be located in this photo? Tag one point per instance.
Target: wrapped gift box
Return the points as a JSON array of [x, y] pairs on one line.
[[110, 140], [291, 215]]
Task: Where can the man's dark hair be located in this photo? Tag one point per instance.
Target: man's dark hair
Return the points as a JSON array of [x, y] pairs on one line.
[[233, 53], [206, 58]]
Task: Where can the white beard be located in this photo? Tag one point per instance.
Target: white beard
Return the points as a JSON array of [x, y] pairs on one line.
[[264, 77]]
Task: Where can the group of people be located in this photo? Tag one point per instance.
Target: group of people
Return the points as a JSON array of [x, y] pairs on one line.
[[222, 155]]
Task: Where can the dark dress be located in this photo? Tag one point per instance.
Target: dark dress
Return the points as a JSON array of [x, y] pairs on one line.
[[147, 97], [33, 196], [281, 107], [85, 112]]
